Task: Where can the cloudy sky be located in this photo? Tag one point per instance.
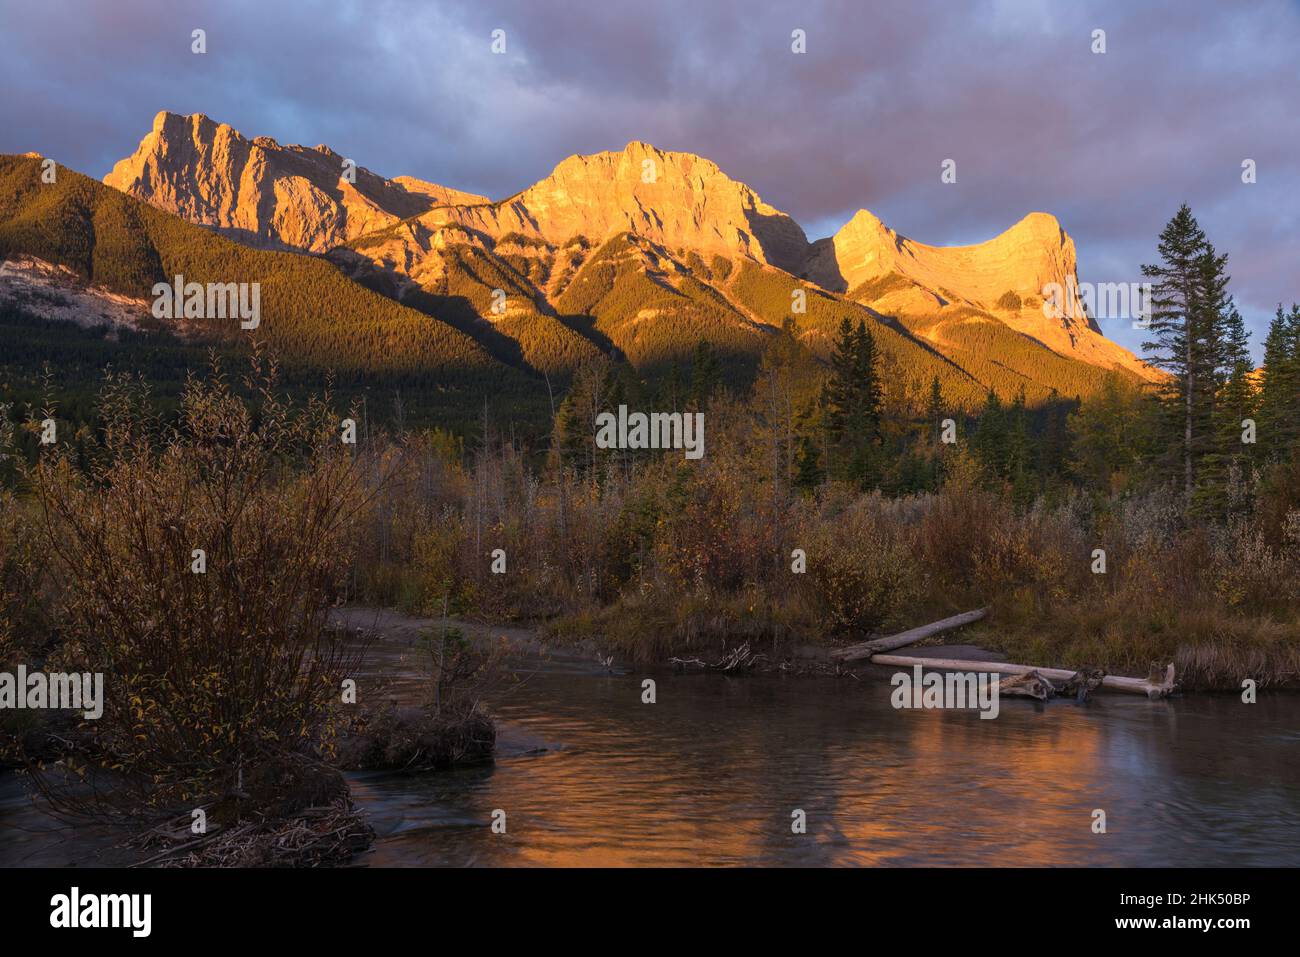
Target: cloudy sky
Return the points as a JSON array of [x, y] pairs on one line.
[[1110, 142]]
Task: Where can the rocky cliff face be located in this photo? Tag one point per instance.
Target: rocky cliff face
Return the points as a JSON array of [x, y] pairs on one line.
[[1004, 277], [1034, 251], [415, 239], [678, 200], [265, 194]]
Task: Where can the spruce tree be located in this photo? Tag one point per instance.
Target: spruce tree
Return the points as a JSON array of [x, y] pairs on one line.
[[706, 374], [989, 441], [934, 409], [851, 404], [808, 470], [1227, 468], [1191, 337], [1279, 393]]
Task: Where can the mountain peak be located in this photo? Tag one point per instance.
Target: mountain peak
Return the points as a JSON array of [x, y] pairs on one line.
[[1001, 278], [865, 220], [1040, 224], [683, 209], [1021, 259], [262, 192], [678, 200]]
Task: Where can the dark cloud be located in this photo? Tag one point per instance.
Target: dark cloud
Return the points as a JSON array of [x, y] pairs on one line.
[[1110, 143]]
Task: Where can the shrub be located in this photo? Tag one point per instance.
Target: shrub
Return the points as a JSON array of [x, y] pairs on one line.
[[211, 671], [861, 573]]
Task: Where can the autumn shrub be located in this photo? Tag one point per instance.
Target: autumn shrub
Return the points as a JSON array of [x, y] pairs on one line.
[[1251, 574], [861, 572], [199, 561], [963, 538], [22, 631]]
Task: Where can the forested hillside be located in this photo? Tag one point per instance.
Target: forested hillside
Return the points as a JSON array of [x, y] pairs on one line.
[[314, 319]]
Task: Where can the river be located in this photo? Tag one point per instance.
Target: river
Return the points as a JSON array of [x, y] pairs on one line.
[[712, 772]]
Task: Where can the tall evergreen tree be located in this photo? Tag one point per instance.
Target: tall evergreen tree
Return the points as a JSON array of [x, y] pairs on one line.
[[1229, 466], [1191, 338], [808, 469], [934, 409], [1279, 392], [706, 374], [990, 441], [1111, 433], [851, 404]]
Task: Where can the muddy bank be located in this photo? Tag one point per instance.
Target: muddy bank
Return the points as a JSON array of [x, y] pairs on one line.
[[388, 624], [796, 659]]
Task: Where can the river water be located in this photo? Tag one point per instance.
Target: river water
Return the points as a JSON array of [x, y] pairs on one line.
[[712, 772]]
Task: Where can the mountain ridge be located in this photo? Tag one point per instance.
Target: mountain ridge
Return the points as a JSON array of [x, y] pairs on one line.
[[265, 194], [642, 252]]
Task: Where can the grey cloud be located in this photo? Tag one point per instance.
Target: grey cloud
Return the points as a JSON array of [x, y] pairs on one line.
[[1110, 143]]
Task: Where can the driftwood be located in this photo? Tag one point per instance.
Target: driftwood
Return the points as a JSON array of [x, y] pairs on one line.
[[1031, 685], [314, 836], [1088, 680], [868, 648], [739, 658], [1154, 686]]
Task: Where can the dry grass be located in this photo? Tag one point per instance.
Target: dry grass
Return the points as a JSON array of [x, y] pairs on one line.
[[661, 558]]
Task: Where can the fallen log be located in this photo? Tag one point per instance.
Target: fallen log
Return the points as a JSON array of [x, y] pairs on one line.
[[868, 648], [1154, 686], [1031, 685]]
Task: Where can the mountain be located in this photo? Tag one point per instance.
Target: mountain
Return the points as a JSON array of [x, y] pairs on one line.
[[938, 289], [533, 245], [76, 241], [643, 252], [676, 200], [651, 268], [265, 194]]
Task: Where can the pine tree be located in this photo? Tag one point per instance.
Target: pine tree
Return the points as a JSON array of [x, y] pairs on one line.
[[1279, 393], [837, 394], [990, 441], [851, 404], [706, 374], [591, 392], [1110, 434], [1053, 448], [1191, 339], [808, 470], [934, 409], [1228, 468]]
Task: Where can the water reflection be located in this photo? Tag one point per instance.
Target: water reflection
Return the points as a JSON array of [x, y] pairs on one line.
[[710, 775]]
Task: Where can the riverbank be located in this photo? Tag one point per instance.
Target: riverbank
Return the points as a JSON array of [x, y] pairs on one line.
[[1200, 667]]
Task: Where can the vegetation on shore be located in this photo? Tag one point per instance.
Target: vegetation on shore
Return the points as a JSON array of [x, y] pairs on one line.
[[193, 562]]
